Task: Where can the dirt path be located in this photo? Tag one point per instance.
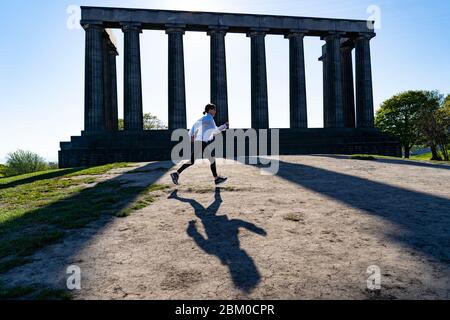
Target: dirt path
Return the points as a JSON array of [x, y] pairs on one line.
[[309, 232]]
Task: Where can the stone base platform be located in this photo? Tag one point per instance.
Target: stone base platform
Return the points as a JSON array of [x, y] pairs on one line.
[[103, 148]]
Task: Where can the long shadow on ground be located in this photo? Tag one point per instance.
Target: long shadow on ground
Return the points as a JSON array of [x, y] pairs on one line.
[[423, 219], [405, 162], [53, 223], [38, 177], [223, 240]]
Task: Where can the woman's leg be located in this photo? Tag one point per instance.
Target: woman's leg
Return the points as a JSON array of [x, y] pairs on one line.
[[213, 167], [187, 165], [212, 160]]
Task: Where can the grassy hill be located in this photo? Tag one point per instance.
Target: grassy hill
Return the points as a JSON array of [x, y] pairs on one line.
[[40, 209], [424, 157], [427, 157]]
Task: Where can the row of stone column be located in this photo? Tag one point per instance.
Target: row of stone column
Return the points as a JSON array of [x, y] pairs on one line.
[[338, 84], [101, 108], [339, 104]]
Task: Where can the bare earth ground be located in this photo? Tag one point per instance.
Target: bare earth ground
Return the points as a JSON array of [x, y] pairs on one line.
[[309, 232]]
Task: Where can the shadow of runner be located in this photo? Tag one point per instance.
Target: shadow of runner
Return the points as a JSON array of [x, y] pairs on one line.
[[223, 240], [423, 219]]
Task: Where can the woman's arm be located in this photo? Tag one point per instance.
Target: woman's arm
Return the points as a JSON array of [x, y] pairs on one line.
[[194, 131], [223, 127]]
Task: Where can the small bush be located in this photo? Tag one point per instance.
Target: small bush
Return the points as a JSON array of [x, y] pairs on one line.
[[53, 165], [2, 170], [22, 162]]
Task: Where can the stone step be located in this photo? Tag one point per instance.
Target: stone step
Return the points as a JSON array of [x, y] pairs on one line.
[[96, 149]]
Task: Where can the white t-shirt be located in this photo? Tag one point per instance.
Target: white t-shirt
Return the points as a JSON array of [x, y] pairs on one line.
[[205, 129]]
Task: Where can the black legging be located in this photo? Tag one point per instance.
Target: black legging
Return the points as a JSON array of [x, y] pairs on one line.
[[211, 159]]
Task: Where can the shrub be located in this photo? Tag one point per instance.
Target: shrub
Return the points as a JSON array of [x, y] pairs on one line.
[[2, 170], [53, 165], [22, 162]]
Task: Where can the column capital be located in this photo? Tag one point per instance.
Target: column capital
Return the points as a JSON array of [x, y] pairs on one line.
[[255, 32], [332, 35], [296, 33], [365, 35], [175, 28], [131, 26], [347, 44], [91, 24], [217, 30]]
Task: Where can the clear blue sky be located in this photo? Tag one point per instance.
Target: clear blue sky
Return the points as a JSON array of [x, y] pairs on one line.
[[42, 63]]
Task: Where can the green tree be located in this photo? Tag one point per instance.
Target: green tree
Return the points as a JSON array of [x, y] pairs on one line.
[[151, 122], [427, 123], [21, 162], [443, 127], [2, 170], [398, 117], [447, 101]]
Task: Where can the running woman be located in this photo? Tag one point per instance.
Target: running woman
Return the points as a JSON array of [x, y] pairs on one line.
[[203, 132]]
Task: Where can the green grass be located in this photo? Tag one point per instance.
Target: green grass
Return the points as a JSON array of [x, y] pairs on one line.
[[52, 294], [374, 156], [72, 172], [15, 293], [145, 200], [363, 157], [427, 157], [40, 209], [12, 263], [30, 177], [33, 293], [424, 158], [99, 170]]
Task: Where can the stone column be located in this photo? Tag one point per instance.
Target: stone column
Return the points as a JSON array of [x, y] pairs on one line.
[[133, 113], [326, 107], [260, 106], [347, 83], [364, 90], [219, 90], [334, 74], [112, 112], [177, 90], [106, 82], [94, 115], [297, 77]]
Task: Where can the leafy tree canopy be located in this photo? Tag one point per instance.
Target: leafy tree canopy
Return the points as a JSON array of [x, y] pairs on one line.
[[416, 117], [151, 122], [398, 116]]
